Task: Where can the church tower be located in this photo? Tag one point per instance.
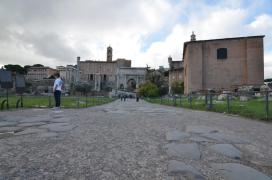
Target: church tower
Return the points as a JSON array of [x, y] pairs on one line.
[[170, 62], [193, 36], [109, 54]]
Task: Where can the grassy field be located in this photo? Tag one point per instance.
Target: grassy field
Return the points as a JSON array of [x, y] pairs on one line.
[[48, 101], [254, 108]]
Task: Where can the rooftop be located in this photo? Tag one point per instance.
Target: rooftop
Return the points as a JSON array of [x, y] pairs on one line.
[[222, 39]]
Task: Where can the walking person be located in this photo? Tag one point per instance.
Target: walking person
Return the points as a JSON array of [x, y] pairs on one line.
[[57, 90]]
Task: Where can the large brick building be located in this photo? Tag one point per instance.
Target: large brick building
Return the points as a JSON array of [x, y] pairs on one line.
[[223, 64]]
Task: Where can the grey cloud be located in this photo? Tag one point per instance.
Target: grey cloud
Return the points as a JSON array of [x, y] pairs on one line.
[[43, 25], [50, 45], [71, 14]]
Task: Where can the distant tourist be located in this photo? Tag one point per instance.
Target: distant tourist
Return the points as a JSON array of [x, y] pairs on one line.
[[137, 97], [57, 89]]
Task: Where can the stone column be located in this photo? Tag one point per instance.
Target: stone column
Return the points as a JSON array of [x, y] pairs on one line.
[[117, 81], [125, 84], [94, 81]]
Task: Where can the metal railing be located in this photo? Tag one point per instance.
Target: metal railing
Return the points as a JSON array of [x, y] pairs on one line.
[[248, 103], [39, 101]]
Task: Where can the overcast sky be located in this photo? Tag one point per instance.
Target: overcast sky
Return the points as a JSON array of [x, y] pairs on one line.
[[55, 32]]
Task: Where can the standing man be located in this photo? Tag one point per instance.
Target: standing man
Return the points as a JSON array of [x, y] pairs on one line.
[[57, 89]]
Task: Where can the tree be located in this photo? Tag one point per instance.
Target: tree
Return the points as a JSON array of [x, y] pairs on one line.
[[177, 87], [158, 78], [83, 88], [268, 80], [26, 67], [38, 65], [148, 89], [15, 68]]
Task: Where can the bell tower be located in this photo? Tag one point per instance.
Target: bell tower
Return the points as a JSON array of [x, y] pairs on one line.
[[109, 54], [193, 36]]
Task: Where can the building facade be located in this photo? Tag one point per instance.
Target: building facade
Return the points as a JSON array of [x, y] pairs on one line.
[[130, 78], [40, 73], [223, 64], [68, 74], [175, 72], [105, 75]]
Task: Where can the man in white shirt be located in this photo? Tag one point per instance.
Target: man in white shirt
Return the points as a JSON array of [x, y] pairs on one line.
[[57, 89]]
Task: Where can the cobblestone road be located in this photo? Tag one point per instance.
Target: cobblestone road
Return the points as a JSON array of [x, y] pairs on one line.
[[130, 140]]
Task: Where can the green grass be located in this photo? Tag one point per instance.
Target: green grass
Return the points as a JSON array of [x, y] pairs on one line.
[[254, 108], [66, 101]]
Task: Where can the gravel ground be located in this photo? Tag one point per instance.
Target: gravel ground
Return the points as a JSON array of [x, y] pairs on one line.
[[132, 140]]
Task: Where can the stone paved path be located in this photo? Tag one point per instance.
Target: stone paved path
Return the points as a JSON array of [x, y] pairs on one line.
[[130, 140]]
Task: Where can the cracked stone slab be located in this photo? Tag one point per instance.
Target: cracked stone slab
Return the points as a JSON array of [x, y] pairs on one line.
[[227, 150], [58, 127], [176, 135], [37, 109], [30, 131], [200, 129], [200, 139], [48, 134], [261, 161], [187, 151], [187, 171], [34, 119], [7, 123], [256, 155], [10, 129], [224, 138], [60, 120], [234, 171], [6, 135], [31, 124], [118, 112], [11, 119], [57, 111]]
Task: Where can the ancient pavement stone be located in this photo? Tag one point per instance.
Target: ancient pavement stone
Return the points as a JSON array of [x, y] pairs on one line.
[[176, 135], [34, 119], [261, 161], [256, 156], [31, 124], [200, 129], [48, 134], [233, 171], [118, 112], [60, 120], [187, 171], [200, 139], [58, 127], [186, 151], [224, 138], [6, 135], [7, 123], [10, 118], [227, 150], [108, 145], [10, 129], [30, 131]]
